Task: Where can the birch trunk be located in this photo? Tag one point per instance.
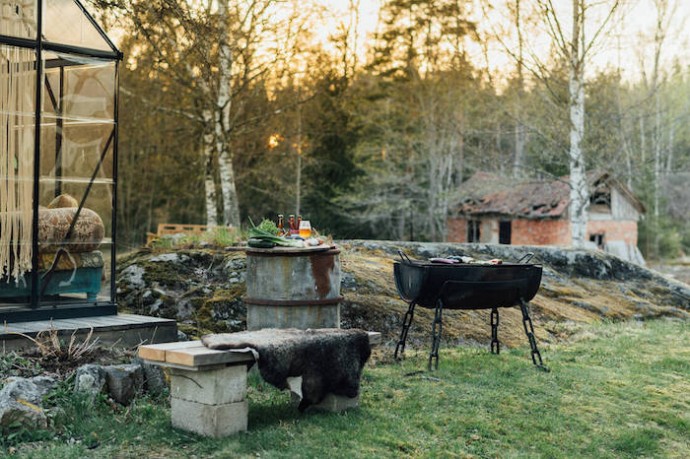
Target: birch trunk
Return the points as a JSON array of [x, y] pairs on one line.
[[228, 188], [579, 194], [519, 153], [208, 148]]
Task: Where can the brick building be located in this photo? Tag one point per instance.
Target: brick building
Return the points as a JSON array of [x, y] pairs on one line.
[[498, 210]]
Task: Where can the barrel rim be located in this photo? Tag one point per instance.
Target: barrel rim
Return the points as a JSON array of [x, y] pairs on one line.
[[305, 302], [292, 251]]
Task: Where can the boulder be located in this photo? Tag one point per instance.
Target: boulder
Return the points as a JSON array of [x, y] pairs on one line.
[[20, 402], [155, 382], [124, 382], [90, 379]]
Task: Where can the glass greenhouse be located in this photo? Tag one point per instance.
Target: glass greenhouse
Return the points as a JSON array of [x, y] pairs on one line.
[[58, 162]]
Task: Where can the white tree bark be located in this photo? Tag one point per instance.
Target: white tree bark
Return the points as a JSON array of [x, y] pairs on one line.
[[579, 193], [231, 211], [208, 148], [519, 153]]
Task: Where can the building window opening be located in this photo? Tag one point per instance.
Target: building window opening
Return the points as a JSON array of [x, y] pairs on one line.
[[473, 231], [597, 239], [504, 232]]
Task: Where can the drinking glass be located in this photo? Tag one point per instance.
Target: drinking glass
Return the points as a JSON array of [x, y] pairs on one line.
[[305, 229]]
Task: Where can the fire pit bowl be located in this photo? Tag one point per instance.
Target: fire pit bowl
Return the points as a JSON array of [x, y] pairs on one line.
[[466, 286], [444, 283]]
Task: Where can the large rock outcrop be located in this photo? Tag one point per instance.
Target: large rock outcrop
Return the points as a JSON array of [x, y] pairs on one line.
[[203, 289]]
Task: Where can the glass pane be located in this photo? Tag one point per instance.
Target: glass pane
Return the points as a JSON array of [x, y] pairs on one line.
[[77, 150], [98, 204], [74, 277], [18, 18], [89, 91], [75, 244], [65, 23], [80, 92], [17, 108]]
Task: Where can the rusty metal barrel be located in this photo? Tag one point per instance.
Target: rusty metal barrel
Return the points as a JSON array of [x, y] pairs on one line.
[[293, 288]]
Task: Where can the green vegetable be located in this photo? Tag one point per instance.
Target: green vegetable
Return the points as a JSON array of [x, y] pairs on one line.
[[260, 243], [268, 226]]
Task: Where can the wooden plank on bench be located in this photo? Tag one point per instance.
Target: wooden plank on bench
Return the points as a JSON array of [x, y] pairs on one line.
[[192, 354], [156, 352], [203, 356]]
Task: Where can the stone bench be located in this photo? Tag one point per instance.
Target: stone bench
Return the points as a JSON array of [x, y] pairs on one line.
[[208, 388]]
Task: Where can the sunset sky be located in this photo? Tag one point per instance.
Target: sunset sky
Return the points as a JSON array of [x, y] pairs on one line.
[[628, 42]]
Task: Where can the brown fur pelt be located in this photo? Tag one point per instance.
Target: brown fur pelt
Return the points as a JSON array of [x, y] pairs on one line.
[[330, 360]]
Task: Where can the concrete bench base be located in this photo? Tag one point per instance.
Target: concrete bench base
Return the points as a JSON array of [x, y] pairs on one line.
[[208, 388]]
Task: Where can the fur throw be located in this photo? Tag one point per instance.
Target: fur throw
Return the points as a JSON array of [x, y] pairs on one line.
[[330, 360]]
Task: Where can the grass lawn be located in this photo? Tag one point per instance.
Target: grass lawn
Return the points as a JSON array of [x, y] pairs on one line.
[[618, 390]]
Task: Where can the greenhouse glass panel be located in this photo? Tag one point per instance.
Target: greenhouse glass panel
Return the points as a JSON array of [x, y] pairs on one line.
[[65, 22], [58, 176], [18, 18]]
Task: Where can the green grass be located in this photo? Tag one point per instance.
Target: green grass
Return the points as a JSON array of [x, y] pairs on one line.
[[219, 236], [619, 391]]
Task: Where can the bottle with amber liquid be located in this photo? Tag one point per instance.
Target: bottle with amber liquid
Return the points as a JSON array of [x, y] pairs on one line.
[[293, 226], [281, 225]]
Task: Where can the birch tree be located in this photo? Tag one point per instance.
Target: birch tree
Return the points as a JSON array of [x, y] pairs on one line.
[[576, 47], [217, 52]]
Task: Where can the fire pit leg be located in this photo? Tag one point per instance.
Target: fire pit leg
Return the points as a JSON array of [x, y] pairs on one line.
[[407, 321], [495, 344], [529, 331], [436, 330]]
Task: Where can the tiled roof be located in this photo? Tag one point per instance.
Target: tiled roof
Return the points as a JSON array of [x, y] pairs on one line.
[[486, 193]]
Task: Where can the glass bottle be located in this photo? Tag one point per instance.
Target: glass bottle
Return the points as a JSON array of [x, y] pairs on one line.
[[281, 225]]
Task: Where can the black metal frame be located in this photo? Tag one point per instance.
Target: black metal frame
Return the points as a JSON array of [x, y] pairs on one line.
[[437, 331], [66, 308]]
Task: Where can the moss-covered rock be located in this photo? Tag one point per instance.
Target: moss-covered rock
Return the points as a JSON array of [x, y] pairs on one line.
[[203, 289]]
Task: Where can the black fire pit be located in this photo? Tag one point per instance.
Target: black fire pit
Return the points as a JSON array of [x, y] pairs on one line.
[[449, 283]]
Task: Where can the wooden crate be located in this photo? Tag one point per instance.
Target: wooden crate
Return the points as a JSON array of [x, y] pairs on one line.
[[174, 228]]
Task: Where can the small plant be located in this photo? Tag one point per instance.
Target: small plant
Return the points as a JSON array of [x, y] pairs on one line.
[[13, 364], [268, 226], [52, 348]]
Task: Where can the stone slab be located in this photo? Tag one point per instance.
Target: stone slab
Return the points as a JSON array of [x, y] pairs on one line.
[[215, 387], [215, 421], [336, 403]]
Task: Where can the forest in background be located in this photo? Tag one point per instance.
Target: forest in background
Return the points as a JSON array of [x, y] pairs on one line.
[[376, 142]]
